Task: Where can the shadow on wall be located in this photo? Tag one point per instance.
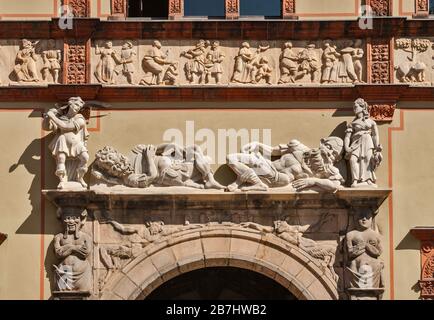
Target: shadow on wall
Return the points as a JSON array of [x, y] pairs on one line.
[[410, 243]]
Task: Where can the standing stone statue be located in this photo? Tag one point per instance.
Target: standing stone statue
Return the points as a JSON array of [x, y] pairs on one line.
[[298, 164], [25, 64], [251, 66], [197, 67], [127, 61], [364, 249], [288, 64], [347, 69], [310, 63], [215, 58], [73, 247], [69, 143], [105, 69], [164, 165], [153, 65], [362, 146], [330, 58], [51, 58], [358, 55]]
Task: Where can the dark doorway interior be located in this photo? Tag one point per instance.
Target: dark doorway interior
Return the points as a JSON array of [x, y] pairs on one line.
[[221, 283], [148, 9]]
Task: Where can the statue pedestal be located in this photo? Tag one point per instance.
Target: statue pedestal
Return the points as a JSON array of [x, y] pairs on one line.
[[71, 295], [365, 294]]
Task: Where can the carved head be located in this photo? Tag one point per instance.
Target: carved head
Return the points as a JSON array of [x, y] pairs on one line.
[[364, 219], [245, 45], [333, 147], [215, 44], [127, 45], [109, 44], [361, 108], [113, 162], [157, 44], [26, 44], [311, 46], [75, 104], [288, 45], [73, 223]]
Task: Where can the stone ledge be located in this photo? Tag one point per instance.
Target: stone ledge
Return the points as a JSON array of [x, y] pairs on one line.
[[177, 198]]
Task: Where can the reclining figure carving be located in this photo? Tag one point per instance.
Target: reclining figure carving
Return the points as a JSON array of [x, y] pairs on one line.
[[164, 165], [297, 165]]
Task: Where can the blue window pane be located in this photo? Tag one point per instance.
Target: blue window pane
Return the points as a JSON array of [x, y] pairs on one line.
[[267, 8], [431, 6], [213, 8]]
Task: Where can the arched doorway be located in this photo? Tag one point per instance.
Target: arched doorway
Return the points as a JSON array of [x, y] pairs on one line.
[[292, 268], [221, 283]]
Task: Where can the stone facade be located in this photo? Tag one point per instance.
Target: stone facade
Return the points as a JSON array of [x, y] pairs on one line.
[[323, 208]]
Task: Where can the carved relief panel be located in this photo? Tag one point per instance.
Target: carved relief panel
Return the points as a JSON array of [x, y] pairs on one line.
[[31, 62], [214, 62], [414, 61]]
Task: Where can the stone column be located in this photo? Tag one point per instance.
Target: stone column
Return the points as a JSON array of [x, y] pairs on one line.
[[232, 9], [421, 9], [176, 9], [288, 9], [118, 10], [426, 237]]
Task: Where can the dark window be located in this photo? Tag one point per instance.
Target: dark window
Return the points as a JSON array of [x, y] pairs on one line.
[[208, 8], [266, 8], [431, 6], [148, 8]]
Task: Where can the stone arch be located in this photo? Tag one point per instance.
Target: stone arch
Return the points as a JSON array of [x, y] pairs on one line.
[[216, 246]]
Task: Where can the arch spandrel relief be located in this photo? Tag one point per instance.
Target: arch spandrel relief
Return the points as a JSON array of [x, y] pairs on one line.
[[156, 194]]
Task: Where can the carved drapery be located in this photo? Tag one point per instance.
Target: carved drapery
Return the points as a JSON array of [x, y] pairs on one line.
[[382, 111], [379, 61], [381, 8], [75, 62], [426, 283], [176, 9], [422, 8], [80, 8], [232, 9], [288, 9]]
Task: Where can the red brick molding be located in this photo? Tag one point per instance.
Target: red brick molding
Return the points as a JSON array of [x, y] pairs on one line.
[[382, 111], [380, 8], [422, 9], [176, 9], [75, 66], [118, 9], [288, 9], [232, 9], [426, 237], [3, 237], [80, 8], [380, 61]]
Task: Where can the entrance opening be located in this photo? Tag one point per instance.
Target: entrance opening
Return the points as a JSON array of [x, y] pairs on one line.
[[221, 283]]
